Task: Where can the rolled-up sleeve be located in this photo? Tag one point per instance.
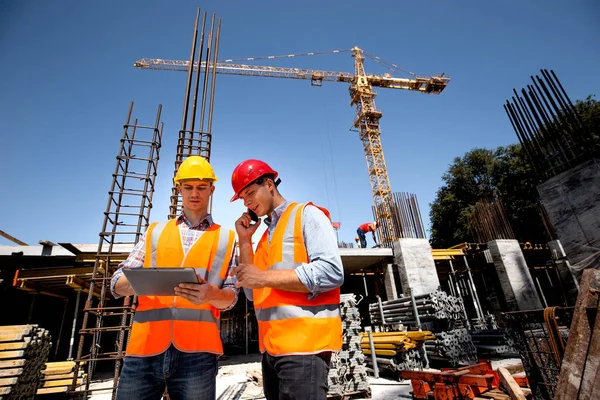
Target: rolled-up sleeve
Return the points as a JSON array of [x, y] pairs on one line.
[[324, 271], [134, 260]]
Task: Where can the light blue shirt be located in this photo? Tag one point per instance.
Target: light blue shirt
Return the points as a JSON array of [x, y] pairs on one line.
[[324, 270]]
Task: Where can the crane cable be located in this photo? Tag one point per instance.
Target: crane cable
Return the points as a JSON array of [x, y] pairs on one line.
[[313, 53], [389, 65]]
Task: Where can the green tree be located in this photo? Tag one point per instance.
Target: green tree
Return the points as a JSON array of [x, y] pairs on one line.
[[503, 172]]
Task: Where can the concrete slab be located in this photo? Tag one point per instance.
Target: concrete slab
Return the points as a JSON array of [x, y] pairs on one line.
[[357, 259]]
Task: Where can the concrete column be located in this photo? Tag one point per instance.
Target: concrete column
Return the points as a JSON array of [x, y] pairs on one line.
[[390, 283], [515, 280], [415, 266]]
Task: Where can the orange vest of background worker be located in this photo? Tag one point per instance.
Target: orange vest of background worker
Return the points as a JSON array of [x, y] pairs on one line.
[[294, 278], [175, 342]]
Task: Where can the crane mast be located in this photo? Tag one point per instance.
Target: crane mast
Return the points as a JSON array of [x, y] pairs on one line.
[[367, 122]]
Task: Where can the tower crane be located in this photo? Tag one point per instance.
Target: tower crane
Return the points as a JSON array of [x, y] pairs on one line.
[[362, 97]]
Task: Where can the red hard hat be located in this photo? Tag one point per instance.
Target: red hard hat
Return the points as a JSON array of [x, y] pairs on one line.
[[247, 172]]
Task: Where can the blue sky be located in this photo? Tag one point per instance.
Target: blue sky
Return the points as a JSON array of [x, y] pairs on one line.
[[67, 80]]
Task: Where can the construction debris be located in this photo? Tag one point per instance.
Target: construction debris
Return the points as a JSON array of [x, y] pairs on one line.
[[23, 352]]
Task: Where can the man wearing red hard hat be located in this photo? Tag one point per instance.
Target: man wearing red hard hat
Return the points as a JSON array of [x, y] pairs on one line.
[[294, 278]]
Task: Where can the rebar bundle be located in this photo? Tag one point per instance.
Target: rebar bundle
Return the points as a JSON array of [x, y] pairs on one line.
[[437, 305], [489, 221], [548, 127], [493, 342], [347, 373], [454, 346], [24, 351], [405, 220], [196, 140]]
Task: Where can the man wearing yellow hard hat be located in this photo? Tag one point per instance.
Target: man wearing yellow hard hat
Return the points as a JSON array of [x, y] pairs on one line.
[[175, 341]]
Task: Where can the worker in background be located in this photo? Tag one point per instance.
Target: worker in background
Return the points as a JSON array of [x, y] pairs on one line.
[[295, 276], [363, 230], [175, 340]]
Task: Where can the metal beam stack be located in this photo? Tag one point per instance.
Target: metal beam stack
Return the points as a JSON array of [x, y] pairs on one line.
[[494, 342], [347, 373], [453, 346], [24, 351], [437, 305]]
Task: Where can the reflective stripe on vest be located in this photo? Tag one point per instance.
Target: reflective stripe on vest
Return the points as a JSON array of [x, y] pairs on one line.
[[178, 314], [158, 228], [289, 322], [284, 265], [283, 312]]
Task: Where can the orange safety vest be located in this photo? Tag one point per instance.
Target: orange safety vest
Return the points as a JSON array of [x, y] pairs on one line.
[[162, 320], [288, 322]]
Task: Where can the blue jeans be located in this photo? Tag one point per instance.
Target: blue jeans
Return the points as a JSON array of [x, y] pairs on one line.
[[362, 237], [184, 375], [296, 377]]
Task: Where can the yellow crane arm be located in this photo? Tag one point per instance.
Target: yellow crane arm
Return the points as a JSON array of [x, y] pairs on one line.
[[431, 85]]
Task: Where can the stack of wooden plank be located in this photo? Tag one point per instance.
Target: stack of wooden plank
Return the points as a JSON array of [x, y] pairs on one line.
[[23, 352], [58, 377]]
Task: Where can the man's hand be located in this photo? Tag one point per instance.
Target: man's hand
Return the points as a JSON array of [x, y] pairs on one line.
[[249, 276], [244, 227], [197, 293]]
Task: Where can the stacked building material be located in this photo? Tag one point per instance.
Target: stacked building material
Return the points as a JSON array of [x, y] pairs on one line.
[[431, 306], [23, 352], [347, 373], [494, 343], [58, 376], [454, 346], [396, 351]]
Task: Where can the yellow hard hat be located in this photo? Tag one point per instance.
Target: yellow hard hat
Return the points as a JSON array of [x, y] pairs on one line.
[[195, 167]]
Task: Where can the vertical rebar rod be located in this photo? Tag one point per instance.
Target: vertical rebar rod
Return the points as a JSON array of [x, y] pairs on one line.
[[190, 72]]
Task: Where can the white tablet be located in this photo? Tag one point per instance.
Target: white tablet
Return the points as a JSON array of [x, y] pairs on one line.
[[158, 281]]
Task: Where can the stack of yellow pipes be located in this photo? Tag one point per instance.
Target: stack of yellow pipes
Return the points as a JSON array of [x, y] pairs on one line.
[[58, 377], [396, 350], [390, 343]]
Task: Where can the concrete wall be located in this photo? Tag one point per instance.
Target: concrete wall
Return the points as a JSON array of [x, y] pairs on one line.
[[415, 266], [572, 200], [515, 280]]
